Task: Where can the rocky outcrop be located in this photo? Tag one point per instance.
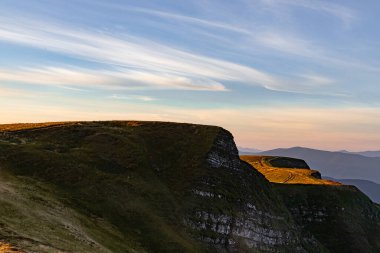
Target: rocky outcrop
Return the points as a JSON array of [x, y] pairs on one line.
[[287, 162], [236, 211]]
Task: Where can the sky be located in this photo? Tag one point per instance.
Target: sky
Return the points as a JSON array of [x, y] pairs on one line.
[[276, 73]]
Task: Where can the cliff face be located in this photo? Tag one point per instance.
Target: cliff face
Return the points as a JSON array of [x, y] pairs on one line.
[[146, 187], [340, 217], [235, 209]]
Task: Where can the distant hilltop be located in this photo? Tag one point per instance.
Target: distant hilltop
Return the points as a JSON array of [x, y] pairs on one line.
[[346, 167]]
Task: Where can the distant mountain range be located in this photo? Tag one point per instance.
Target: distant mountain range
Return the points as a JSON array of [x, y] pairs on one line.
[[248, 151], [363, 153], [376, 153]]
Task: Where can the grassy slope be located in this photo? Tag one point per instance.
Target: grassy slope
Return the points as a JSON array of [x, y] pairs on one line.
[[134, 185], [25, 126], [47, 223], [286, 175]]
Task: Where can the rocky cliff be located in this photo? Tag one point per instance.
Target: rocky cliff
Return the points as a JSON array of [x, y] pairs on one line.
[[149, 187], [339, 216], [235, 209]]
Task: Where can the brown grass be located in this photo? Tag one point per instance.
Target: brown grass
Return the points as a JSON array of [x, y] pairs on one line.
[[25, 126], [284, 175]]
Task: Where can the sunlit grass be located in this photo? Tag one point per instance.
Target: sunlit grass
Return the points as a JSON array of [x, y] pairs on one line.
[[5, 248], [25, 126], [285, 175]]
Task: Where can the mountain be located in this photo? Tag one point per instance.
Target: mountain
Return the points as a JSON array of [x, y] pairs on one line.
[[335, 164], [127, 186], [363, 153]]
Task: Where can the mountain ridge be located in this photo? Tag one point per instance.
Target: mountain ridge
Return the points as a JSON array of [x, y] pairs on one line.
[[132, 186]]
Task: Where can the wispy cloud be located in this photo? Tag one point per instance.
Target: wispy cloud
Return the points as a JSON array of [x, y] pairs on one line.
[[179, 17], [284, 41], [129, 52], [132, 97], [52, 76], [141, 63], [291, 45], [287, 43], [168, 81], [317, 80], [122, 79], [345, 14]]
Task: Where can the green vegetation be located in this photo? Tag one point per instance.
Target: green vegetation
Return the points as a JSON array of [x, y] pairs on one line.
[[128, 175]]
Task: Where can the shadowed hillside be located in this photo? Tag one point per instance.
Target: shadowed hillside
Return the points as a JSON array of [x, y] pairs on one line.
[[341, 217]]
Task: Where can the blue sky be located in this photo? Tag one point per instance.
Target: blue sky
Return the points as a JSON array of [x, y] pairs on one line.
[[276, 73]]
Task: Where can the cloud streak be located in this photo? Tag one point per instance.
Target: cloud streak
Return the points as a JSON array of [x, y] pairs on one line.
[[179, 17], [346, 15], [136, 62], [129, 52], [287, 43], [106, 79], [133, 97]]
